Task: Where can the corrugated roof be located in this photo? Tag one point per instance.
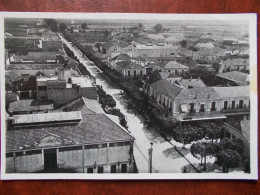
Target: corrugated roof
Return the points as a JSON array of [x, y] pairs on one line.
[[166, 88], [237, 91], [175, 65], [46, 117], [236, 76]]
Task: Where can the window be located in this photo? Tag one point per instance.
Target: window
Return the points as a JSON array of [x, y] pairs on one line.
[[129, 73], [192, 107], [202, 108], [32, 152], [70, 148], [90, 170], [176, 72], [9, 154], [141, 72], [124, 168], [134, 72], [241, 102], [92, 146], [113, 169], [100, 170], [233, 104], [225, 105], [213, 106]]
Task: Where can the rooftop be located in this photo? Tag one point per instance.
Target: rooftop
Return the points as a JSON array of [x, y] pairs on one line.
[[198, 93], [208, 45], [237, 91], [30, 105], [175, 65], [151, 46], [129, 65], [237, 62], [190, 83], [92, 129], [235, 76], [122, 57], [46, 117], [166, 88], [56, 84]]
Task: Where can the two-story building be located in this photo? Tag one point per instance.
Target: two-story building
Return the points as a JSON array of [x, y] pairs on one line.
[[201, 103]]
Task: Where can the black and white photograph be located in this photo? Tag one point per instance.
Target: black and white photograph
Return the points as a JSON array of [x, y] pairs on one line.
[[128, 96]]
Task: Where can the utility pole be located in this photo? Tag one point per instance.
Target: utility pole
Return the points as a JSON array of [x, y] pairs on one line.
[[150, 152]]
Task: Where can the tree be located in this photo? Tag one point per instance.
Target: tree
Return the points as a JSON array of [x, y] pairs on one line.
[[187, 134], [52, 24], [140, 26], [158, 28], [183, 43], [62, 27], [232, 144], [201, 150], [228, 159], [84, 26], [212, 130]]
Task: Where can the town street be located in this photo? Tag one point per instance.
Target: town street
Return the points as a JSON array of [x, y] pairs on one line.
[[162, 160]]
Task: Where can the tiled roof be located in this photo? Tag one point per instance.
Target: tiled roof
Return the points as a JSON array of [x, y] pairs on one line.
[[166, 88], [237, 62], [122, 57], [186, 83], [32, 66], [237, 91], [30, 105], [198, 93], [205, 53], [175, 65], [129, 65], [93, 128], [236, 76]]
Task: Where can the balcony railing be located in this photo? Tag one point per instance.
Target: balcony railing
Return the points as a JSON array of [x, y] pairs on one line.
[[229, 110]]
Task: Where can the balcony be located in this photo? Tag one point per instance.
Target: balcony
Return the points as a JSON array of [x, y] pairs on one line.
[[237, 110]]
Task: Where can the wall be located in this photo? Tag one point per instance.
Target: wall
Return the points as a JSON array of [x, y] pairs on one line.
[[61, 96], [125, 72], [34, 71], [89, 92], [24, 163]]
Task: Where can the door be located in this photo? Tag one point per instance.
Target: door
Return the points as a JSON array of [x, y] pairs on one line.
[[213, 106], [50, 160], [124, 168], [241, 102], [233, 104], [225, 105], [113, 169]]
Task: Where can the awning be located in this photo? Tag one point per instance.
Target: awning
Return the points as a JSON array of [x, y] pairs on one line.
[[184, 108]]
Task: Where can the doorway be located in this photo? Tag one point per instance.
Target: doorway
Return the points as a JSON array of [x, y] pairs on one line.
[[50, 160]]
